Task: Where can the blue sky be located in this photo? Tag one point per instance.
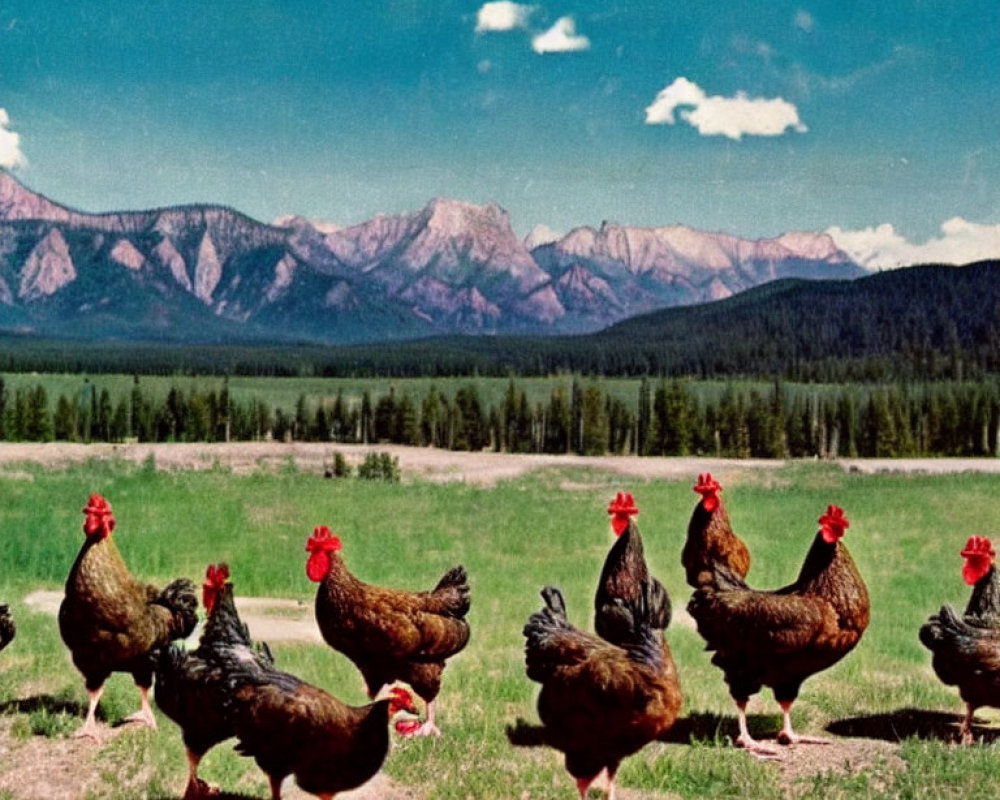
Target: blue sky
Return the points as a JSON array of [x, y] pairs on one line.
[[878, 122]]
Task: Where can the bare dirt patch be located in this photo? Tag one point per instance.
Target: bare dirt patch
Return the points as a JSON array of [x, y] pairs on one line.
[[427, 463]]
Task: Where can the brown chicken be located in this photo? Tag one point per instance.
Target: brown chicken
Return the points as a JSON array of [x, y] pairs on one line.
[[390, 635], [292, 728], [780, 638], [113, 623], [966, 651], [711, 542], [7, 627], [599, 703], [624, 572], [192, 687]]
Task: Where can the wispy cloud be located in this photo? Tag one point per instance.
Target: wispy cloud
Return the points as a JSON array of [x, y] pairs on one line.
[[882, 247], [10, 144], [804, 21], [560, 38], [714, 115], [503, 16]]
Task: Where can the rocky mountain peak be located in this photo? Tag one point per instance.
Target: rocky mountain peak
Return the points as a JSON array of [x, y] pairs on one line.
[[451, 266], [17, 202]]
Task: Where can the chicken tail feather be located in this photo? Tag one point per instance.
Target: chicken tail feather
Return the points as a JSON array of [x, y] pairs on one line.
[[454, 585], [946, 630], [181, 600]]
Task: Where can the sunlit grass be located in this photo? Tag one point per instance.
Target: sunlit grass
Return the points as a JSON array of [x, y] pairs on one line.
[[514, 538]]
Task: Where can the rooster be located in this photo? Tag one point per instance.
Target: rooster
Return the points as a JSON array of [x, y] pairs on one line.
[[191, 687], [624, 572], [113, 623], [599, 702], [780, 638], [290, 727], [710, 542], [967, 650], [390, 635], [7, 627]]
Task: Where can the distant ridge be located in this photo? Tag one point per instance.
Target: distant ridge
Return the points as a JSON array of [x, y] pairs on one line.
[[209, 273], [922, 323]]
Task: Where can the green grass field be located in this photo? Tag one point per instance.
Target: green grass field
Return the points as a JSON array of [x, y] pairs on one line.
[[549, 527]]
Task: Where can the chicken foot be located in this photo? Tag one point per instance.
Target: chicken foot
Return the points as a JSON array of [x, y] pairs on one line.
[[746, 741], [89, 728], [144, 715], [787, 736], [196, 787]]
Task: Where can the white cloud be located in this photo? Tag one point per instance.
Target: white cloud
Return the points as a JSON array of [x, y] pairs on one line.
[[882, 247], [10, 144], [713, 115], [560, 38], [503, 16], [804, 21]]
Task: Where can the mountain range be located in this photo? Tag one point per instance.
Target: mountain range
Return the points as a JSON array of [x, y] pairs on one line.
[[209, 273]]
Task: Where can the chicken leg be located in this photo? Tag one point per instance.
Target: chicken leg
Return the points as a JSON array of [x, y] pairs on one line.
[[89, 729], [196, 787], [786, 735], [965, 732], [144, 715], [745, 740]]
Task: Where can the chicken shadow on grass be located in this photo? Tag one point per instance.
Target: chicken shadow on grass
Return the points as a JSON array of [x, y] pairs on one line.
[[49, 704], [904, 723]]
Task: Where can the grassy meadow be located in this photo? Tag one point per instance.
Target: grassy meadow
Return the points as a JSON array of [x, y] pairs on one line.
[[546, 528]]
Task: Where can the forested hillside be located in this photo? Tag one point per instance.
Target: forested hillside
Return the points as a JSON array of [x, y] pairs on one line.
[[921, 323]]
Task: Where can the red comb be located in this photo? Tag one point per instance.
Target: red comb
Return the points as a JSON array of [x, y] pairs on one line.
[[979, 556], [978, 546], [98, 506], [216, 575], [323, 539], [99, 518], [620, 509], [709, 489], [833, 524]]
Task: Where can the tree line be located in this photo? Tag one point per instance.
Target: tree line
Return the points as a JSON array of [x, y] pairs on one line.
[[668, 417]]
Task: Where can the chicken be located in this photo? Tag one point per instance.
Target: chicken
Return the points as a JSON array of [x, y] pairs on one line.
[[390, 635], [710, 542], [966, 651], [7, 627], [191, 687], [624, 571], [780, 638], [293, 728], [113, 623], [600, 702]]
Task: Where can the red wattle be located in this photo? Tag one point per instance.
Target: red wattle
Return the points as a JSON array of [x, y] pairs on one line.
[[407, 727], [974, 569], [318, 565]]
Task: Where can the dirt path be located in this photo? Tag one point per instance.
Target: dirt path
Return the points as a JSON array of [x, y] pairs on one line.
[[485, 468]]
